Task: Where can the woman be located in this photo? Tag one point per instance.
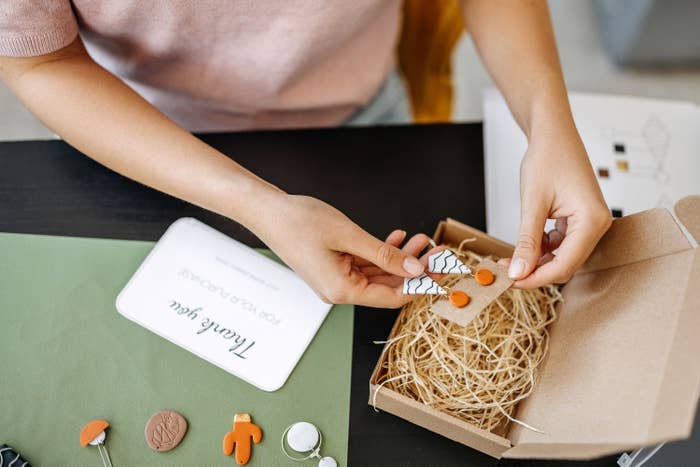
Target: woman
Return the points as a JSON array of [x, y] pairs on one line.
[[158, 69]]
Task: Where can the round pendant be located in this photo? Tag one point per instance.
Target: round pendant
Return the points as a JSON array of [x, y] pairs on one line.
[[484, 277], [327, 462], [459, 298], [302, 437]]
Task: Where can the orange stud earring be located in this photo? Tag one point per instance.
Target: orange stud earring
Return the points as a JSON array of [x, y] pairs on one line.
[[459, 298], [484, 277]]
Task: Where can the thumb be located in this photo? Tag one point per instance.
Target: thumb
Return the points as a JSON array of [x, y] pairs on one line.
[[384, 255], [529, 247]]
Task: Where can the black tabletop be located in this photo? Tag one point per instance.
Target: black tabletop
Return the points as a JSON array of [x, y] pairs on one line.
[[407, 177]]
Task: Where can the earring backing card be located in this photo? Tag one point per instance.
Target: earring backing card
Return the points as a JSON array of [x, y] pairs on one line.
[[481, 294]]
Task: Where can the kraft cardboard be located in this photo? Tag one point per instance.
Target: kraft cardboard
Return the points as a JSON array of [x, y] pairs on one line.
[[480, 295], [622, 370]]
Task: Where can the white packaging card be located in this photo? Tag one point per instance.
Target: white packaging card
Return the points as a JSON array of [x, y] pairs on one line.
[[645, 153], [224, 302]]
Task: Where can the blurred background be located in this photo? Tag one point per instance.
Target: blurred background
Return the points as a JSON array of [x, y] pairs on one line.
[[664, 69], [652, 30]]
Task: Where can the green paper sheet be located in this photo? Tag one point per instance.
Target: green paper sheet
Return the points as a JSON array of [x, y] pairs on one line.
[[68, 357]]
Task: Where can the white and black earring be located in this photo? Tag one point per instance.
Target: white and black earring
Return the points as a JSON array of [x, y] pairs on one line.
[[305, 438], [443, 262]]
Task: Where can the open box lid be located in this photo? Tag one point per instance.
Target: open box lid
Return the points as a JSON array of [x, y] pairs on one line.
[[622, 370]]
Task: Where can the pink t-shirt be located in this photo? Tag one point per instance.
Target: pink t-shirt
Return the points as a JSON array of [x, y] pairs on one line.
[[224, 64]]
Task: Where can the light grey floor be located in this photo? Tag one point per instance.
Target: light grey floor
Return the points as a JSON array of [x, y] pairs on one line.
[[16, 122], [586, 67], [584, 61]]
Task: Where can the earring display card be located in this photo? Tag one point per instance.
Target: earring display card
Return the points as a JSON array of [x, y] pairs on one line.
[[480, 295], [224, 302]]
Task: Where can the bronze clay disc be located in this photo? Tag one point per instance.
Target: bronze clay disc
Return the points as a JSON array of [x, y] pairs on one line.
[[165, 430]]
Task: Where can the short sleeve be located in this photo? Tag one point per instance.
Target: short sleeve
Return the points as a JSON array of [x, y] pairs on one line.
[[35, 27]]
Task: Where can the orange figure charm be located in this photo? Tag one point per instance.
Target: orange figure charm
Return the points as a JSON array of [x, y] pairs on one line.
[[239, 438]]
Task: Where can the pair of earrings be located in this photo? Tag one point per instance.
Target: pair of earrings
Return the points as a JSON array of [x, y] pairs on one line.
[[446, 262], [304, 437], [301, 437]]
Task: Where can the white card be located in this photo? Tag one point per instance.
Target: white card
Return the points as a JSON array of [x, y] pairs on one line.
[[656, 141], [224, 302]]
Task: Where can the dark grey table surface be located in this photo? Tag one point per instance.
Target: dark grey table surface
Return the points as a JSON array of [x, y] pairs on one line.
[[406, 177]]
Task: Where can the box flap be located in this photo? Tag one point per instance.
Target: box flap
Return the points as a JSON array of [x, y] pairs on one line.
[[688, 212], [452, 232], [638, 237], [621, 370]]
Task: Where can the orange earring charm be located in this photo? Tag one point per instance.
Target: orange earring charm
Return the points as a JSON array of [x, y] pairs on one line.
[[484, 277], [93, 433], [239, 438], [459, 298]]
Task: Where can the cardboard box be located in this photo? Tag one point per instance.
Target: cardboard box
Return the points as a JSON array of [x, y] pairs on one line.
[[622, 370]]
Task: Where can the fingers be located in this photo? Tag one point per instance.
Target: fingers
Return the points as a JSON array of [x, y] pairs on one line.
[[560, 225], [578, 243], [554, 237], [374, 295], [551, 240], [396, 237], [383, 254], [382, 288], [352, 286], [413, 247], [529, 246], [371, 278], [386, 290], [546, 258], [416, 244], [382, 296]]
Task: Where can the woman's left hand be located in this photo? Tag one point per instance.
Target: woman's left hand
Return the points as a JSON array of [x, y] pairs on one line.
[[556, 182]]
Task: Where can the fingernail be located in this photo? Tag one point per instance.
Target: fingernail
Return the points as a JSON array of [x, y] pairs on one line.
[[412, 266], [517, 268]]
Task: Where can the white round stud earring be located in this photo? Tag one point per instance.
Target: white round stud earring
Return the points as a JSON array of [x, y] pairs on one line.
[[304, 437]]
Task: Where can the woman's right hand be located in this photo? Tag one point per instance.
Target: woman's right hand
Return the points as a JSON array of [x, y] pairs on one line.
[[104, 118], [339, 260]]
